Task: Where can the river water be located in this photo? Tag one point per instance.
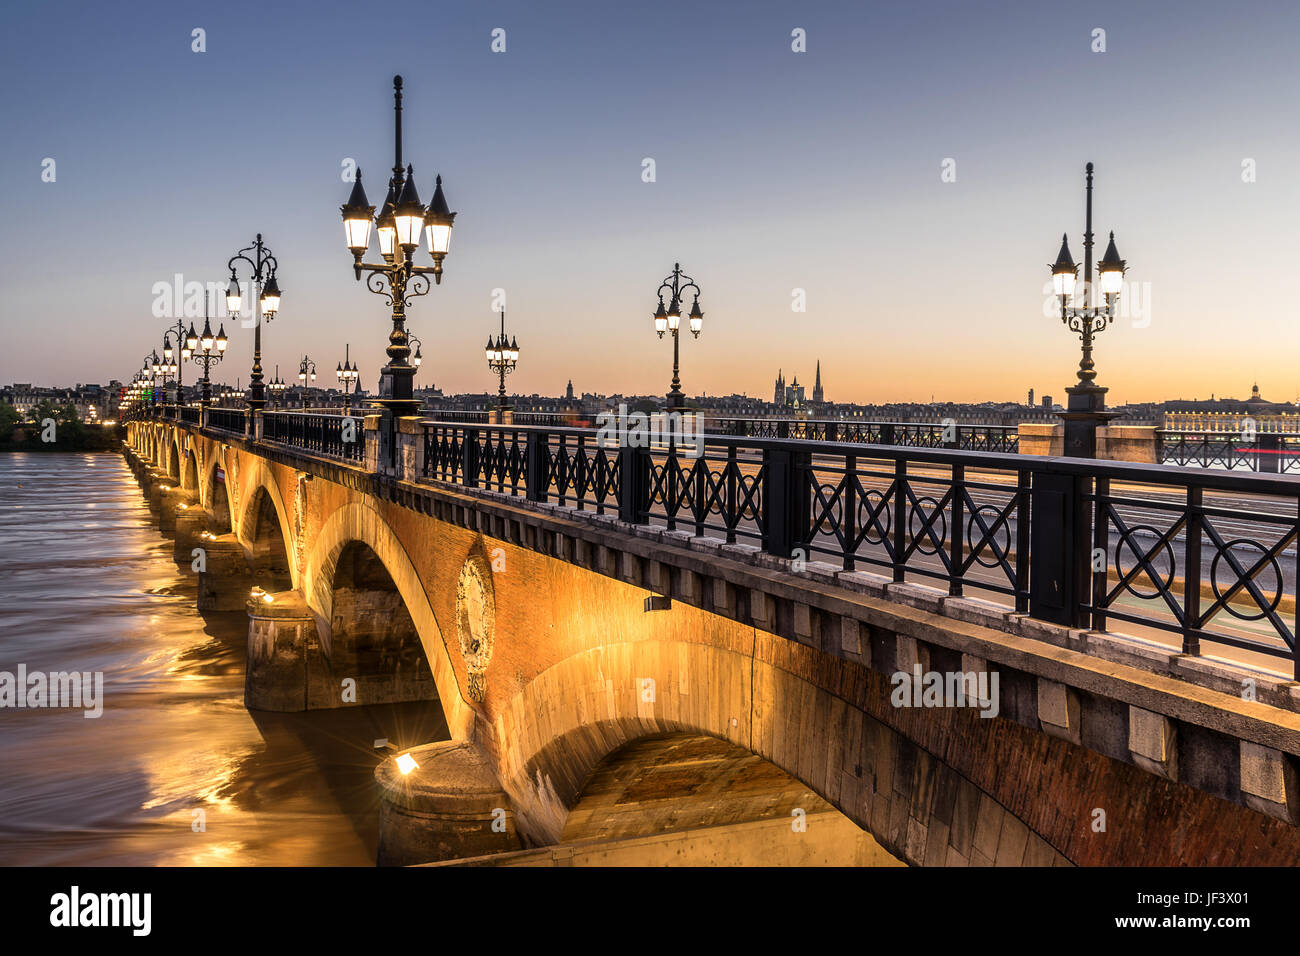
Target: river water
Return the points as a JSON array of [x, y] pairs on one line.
[[87, 583]]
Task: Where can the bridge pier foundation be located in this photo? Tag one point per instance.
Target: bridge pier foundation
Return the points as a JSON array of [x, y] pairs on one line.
[[187, 525], [449, 807], [150, 484], [225, 581], [281, 637], [167, 505]]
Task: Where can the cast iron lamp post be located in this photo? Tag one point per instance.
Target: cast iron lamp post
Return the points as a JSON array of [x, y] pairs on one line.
[[670, 320], [177, 361], [502, 356], [277, 387], [305, 368], [264, 265], [1087, 404], [201, 346], [174, 362], [149, 373], [398, 279], [165, 367], [347, 374]]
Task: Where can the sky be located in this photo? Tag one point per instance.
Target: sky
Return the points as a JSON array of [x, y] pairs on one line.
[[774, 171]]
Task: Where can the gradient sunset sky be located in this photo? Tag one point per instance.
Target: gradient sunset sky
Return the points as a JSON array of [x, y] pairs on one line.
[[775, 170]]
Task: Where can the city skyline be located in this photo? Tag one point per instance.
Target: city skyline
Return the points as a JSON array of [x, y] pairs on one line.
[[825, 177]]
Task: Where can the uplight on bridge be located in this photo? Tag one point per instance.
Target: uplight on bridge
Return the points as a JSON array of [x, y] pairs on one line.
[[406, 763]]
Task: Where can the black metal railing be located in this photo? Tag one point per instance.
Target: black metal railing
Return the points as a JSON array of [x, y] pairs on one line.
[[462, 415], [997, 438], [545, 418], [188, 415], [1207, 555], [1267, 452], [227, 419], [339, 436]]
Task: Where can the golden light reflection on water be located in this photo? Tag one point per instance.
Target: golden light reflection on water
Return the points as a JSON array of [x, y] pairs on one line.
[[175, 738]]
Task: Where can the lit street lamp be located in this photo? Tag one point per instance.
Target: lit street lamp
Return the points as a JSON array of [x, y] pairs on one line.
[[502, 356], [148, 374], [670, 320], [166, 367], [277, 387], [1087, 404], [201, 351], [305, 368], [264, 265], [347, 374], [172, 360], [178, 361], [399, 279]]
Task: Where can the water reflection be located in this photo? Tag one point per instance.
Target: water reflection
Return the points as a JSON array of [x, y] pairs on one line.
[[87, 583]]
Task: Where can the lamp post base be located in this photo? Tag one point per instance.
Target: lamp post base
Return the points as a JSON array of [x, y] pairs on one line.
[[1084, 413], [676, 400], [397, 390]]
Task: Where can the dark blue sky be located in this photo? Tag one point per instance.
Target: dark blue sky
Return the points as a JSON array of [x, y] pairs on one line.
[[775, 171]]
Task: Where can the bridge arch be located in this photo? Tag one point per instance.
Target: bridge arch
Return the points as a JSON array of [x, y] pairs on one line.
[[189, 469], [264, 527], [265, 539], [216, 499], [173, 462], [592, 704], [359, 523], [693, 799]]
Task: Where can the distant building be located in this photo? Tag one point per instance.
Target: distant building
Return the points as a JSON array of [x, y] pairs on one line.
[[793, 395], [1228, 414]]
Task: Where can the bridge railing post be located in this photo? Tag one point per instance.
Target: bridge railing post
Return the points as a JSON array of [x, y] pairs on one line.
[[787, 500], [634, 484], [469, 455], [1060, 548], [537, 460]]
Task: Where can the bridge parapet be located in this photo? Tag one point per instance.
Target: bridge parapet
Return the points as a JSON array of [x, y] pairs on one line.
[[1073, 542]]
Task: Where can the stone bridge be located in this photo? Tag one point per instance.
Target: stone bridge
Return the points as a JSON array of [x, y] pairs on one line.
[[556, 638]]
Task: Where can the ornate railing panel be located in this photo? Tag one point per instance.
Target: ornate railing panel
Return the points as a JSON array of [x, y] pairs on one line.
[[996, 438], [338, 436], [1268, 452], [227, 419], [1207, 555]]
